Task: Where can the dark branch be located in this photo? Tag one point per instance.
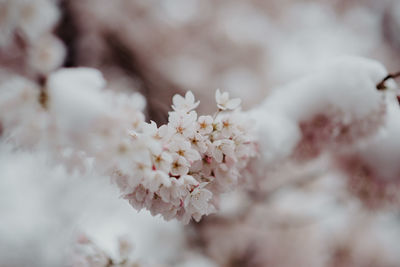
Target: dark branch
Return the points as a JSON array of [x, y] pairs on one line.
[[381, 85], [67, 30]]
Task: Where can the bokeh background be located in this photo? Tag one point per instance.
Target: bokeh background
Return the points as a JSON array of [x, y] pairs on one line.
[[246, 47], [162, 47]]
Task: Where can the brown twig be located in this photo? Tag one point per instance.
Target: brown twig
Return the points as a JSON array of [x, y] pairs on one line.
[[381, 85], [43, 96]]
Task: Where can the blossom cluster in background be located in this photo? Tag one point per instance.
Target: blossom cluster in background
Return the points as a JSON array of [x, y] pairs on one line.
[[27, 41]]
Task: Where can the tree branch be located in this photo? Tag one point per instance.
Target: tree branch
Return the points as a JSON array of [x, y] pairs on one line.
[[381, 85]]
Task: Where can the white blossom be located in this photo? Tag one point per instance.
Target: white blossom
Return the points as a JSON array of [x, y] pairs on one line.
[[224, 103], [182, 123], [141, 167], [199, 142], [183, 148], [184, 104], [199, 198], [205, 124], [179, 166], [155, 180], [223, 147], [162, 161]]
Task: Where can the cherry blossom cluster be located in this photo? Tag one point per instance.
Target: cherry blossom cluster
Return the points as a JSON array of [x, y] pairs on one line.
[[180, 168], [176, 170]]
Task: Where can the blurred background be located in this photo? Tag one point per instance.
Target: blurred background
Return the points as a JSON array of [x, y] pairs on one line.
[[162, 47], [245, 47]]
